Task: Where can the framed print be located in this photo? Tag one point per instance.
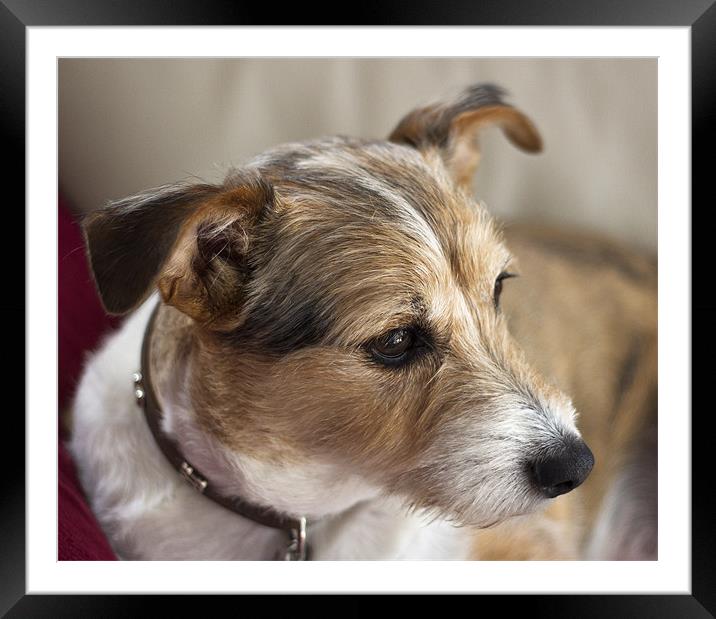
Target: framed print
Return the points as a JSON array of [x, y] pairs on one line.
[[114, 101]]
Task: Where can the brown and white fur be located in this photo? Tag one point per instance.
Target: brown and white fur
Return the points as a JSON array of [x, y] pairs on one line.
[[277, 289]]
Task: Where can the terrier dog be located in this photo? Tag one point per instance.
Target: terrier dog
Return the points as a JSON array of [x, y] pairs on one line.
[[328, 364]]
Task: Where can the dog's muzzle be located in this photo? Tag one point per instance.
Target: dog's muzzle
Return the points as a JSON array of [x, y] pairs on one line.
[[562, 471]]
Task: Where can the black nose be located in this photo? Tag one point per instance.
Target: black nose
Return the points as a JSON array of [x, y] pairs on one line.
[[564, 470]]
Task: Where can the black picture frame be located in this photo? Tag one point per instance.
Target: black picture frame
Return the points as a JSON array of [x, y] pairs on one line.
[[17, 15]]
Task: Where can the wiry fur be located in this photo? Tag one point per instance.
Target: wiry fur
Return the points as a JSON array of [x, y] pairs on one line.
[[273, 287]]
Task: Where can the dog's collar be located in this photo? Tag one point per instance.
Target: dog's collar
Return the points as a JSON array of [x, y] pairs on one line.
[[146, 398]]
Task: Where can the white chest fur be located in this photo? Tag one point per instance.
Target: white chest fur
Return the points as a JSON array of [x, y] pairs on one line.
[[149, 512]]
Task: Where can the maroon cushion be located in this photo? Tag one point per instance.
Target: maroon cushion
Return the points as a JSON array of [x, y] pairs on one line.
[[82, 320], [81, 323], [79, 536]]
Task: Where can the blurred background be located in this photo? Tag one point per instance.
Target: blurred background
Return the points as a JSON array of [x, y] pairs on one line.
[[126, 125]]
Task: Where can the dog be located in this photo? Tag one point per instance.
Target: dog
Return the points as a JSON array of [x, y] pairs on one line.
[[320, 364]]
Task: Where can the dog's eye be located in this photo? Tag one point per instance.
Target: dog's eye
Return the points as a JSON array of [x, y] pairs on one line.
[[393, 347], [498, 286]]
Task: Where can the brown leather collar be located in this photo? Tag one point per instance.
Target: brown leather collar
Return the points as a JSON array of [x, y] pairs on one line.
[[294, 527]]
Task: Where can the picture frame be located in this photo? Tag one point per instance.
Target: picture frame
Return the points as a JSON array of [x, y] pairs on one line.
[[16, 17]]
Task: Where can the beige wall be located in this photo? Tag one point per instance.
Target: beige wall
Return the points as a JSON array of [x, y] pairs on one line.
[[126, 125]]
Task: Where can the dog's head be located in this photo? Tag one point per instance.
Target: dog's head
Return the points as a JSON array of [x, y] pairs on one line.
[[342, 300]]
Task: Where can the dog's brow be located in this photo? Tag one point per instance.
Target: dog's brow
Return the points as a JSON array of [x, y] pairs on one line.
[[414, 311]]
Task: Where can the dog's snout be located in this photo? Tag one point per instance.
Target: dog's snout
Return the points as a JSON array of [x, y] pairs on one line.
[[564, 470]]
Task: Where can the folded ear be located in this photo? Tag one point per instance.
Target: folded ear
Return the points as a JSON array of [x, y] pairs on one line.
[[452, 128], [191, 241]]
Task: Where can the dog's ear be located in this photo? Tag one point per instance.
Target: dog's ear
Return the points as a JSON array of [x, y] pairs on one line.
[[191, 241], [452, 128]]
